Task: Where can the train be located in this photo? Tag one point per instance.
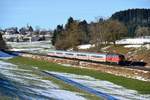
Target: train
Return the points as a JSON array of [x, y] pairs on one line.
[[88, 56]]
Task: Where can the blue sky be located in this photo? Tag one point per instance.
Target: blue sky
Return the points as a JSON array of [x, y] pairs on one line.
[[49, 13]]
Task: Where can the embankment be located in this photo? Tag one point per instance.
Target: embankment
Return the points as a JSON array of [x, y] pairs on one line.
[[115, 70]]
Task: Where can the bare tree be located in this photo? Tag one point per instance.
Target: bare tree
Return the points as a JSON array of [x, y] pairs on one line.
[[107, 31], [142, 31], [115, 30]]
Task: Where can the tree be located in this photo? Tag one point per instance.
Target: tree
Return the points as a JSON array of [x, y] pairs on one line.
[[84, 32], [61, 41], [96, 35], [22, 30], [56, 33], [69, 37], [104, 32], [114, 30], [73, 34], [142, 31], [69, 22], [2, 43], [30, 29]]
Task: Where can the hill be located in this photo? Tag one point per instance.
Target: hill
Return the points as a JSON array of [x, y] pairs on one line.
[[133, 18]]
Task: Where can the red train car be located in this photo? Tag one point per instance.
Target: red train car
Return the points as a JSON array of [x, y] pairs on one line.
[[115, 58]]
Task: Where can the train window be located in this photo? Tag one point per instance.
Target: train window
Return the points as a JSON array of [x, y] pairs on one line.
[[112, 55], [68, 53], [81, 55], [50, 52], [115, 56], [97, 56], [59, 53]]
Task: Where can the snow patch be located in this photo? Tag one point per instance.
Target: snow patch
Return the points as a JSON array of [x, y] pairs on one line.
[[66, 95], [133, 46], [86, 46], [105, 87], [134, 41]]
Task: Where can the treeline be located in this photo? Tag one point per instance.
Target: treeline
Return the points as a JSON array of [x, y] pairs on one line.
[[133, 19], [72, 34], [77, 32]]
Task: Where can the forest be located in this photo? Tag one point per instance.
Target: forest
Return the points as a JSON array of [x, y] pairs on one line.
[[133, 19]]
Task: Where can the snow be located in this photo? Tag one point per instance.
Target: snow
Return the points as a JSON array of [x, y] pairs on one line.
[[147, 46], [105, 87], [104, 49], [65, 65], [134, 41], [138, 46], [66, 95], [86, 46], [30, 85], [129, 42], [37, 46], [133, 46]]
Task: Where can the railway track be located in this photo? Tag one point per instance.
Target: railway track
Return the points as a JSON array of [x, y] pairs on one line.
[[127, 64]]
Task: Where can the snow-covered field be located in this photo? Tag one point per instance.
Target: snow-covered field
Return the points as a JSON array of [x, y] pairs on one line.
[[26, 84], [106, 87], [38, 46]]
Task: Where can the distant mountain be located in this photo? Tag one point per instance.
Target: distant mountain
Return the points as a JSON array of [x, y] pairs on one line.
[[133, 18], [2, 43]]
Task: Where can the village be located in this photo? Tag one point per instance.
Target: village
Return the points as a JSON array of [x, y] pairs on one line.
[[25, 34]]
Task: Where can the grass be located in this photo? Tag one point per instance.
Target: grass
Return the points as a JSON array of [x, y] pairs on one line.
[[119, 49], [5, 97], [141, 86], [65, 86]]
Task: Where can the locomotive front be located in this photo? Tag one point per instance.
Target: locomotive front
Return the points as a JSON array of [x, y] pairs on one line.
[[115, 58]]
